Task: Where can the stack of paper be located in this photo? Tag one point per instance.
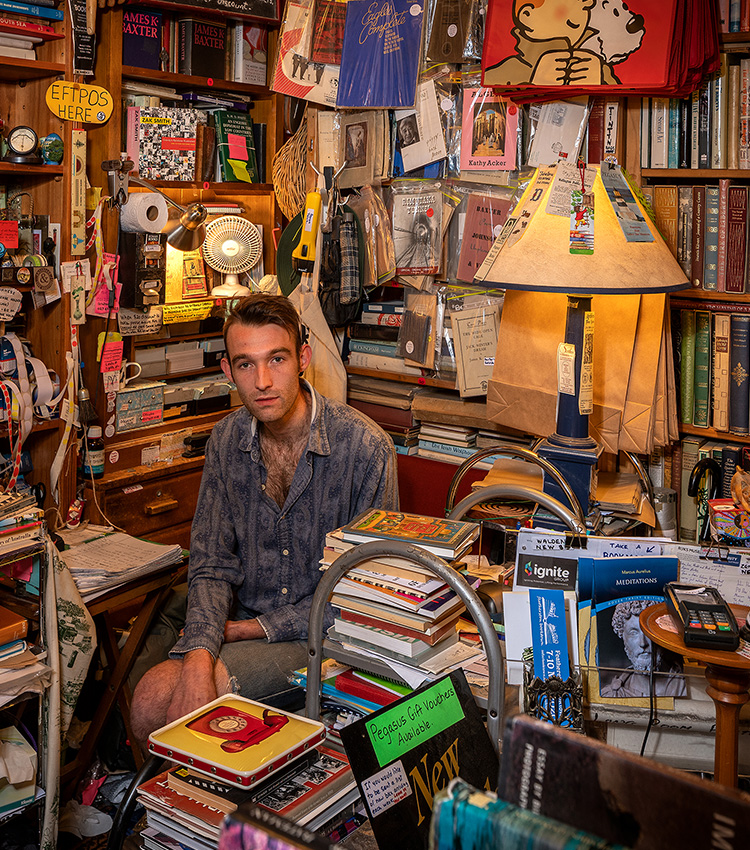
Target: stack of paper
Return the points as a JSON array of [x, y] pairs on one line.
[[115, 559]]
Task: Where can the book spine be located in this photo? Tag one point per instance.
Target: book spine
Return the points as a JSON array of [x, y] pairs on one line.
[[736, 239], [685, 229], [392, 319], [721, 260], [699, 202], [30, 9], [733, 118], [369, 347], [713, 306], [719, 116], [744, 145], [185, 47], [382, 307], [702, 362], [687, 366], [673, 134], [739, 366], [446, 448], [25, 27], [133, 138], [744, 16], [695, 98], [684, 159], [17, 52], [237, 51], [720, 371], [646, 132], [665, 210], [260, 134], [723, 16], [659, 132], [595, 138], [382, 364], [730, 456], [704, 125], [711, 239], [688, 505]]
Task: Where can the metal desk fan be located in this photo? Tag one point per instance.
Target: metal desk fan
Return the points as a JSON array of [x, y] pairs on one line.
[[232, 245]]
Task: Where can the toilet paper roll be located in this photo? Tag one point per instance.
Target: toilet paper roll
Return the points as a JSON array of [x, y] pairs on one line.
[[145, 212]]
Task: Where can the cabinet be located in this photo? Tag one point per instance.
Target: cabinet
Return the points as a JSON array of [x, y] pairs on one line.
[[23, 84], [259, 203]]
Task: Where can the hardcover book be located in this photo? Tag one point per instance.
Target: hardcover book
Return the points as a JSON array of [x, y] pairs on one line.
[[616, 795], [31, 9], [444, 537], [250, 54], [687, 366], [141, 38], [12, 626], [736, 239], [701, 382], [402, 754], [711, 239], [699, 205], [235, 144], [162, 141], [239, 740], [739, 368], [720, 371], [201, 47], [380, 54]]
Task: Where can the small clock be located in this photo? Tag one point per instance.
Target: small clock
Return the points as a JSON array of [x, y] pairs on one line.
[[23, 146]]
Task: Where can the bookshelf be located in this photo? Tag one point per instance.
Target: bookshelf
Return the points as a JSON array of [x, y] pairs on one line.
[[23, 84], [259, 203]]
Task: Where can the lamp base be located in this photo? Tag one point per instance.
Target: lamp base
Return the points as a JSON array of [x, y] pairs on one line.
[[576, 459]]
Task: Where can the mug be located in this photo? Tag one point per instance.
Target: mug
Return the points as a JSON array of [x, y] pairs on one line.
[[125, 379]]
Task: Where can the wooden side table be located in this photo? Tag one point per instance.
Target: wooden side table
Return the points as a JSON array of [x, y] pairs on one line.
[[728, 677]]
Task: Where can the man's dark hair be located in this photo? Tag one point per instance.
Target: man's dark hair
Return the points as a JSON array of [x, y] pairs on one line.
[[259, 309]]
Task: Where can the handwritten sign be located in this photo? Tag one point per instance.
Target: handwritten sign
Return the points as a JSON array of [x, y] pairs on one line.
[[10, 302], [173, 313], [413, 721], [78, 102], [386, 788], [9, 233], [111, 356], [132, 322]]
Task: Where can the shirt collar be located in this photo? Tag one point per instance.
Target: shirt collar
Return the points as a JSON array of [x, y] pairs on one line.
[[318, 442]]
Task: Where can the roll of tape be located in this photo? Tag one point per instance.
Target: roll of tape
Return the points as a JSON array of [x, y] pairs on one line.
[[144, 212]]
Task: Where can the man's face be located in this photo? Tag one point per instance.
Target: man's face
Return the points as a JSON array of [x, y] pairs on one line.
[[265, 367], [637, 645]]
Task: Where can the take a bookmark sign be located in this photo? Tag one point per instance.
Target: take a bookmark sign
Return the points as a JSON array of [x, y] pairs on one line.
[[550, 643]]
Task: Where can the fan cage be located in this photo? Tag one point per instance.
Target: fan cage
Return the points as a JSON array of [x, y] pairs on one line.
[[232, 234]]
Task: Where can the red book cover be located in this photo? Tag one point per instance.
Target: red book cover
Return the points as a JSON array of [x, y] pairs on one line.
[[736, 238], [596, 130], [156, 794], [699, 207], [485, 216], [432, 639], [386, 416], [351, 684], [11, 25]]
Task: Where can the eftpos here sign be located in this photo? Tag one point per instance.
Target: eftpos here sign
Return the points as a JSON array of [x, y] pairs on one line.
[[547, 571]]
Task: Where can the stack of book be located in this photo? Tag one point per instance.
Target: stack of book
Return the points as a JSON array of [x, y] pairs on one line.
[[19, 37], [311, 786], [452, 443], [389, 404], [393, 610]]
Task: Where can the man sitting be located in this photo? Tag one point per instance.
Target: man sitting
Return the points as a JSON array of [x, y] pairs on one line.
[[280, 472]]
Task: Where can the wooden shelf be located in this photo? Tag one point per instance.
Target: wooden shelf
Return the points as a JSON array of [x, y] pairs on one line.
[[441, 383], [708, 295], [40, 170], [713, 434], [207, 370], [28, 69], [216, 188], [220, 87], [171, 340], [696, 173]]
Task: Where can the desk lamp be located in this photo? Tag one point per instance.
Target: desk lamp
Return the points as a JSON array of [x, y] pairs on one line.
[[543, 252], [190, 230]]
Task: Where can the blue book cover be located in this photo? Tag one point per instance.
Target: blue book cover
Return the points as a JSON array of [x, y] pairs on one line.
[[622, 588], [673, 134], [30, 9], [380, 55], [388, 349]]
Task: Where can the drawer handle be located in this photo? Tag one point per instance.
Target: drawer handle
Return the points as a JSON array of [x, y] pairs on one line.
[[161, 507]]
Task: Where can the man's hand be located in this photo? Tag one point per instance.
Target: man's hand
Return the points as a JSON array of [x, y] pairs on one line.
[[196, 686], [243, 630]]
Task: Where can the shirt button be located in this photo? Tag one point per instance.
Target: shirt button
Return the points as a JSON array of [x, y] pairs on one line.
[[285, 552], [283, 590], [262, 486]]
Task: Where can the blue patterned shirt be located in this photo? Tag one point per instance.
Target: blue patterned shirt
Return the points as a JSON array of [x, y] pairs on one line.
[[243, 542]]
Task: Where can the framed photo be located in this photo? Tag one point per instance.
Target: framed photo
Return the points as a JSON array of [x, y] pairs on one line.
[[253, 10]]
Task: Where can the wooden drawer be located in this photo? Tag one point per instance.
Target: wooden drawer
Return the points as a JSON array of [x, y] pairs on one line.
[[158, 505]]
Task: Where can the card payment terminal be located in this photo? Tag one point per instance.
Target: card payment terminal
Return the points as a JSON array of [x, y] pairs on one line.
[[706, 620]]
